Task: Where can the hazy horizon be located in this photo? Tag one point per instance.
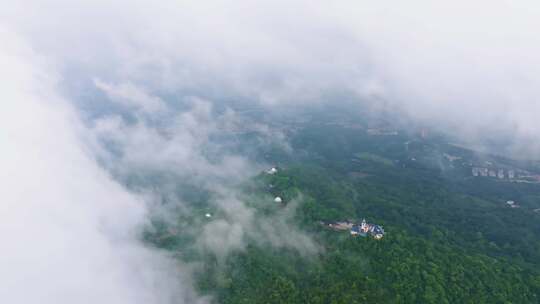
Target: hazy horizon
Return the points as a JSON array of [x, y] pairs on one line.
[[98, 94]]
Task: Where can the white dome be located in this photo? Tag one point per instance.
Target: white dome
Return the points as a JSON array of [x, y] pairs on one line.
[[208, 215], [272, 171], [278, 199]]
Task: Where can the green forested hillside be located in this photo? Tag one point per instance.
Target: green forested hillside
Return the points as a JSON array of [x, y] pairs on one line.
[[440, 247], [449, 238]]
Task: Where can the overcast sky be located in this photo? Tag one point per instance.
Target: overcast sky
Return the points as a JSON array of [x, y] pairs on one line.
[[70, 231]]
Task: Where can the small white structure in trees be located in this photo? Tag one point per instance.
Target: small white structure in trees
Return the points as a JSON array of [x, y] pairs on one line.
[[272, 171], [512, 204], [278, 199], [208, 215]]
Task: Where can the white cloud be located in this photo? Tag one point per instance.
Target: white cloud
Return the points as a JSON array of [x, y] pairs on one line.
[[69, 232], [131, 96], [470, 67]]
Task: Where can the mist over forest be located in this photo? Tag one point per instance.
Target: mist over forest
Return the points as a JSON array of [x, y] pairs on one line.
[[206, 151]]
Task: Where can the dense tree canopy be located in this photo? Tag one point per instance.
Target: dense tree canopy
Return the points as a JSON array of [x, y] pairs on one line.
[[449, 238]]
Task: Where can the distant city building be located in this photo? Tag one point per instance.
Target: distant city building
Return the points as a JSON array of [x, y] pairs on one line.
[[484, 171], [501, 173]]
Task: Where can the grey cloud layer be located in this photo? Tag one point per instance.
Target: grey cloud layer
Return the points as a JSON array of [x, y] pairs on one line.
[[468, 66], [472, 67], [182, 150]]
